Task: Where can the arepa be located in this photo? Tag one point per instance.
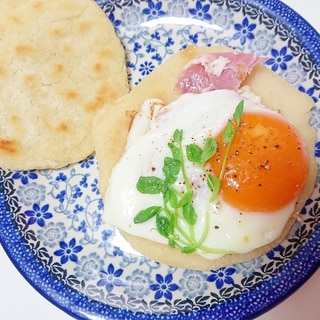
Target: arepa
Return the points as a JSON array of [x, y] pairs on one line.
[[60, 62], [112, 126]]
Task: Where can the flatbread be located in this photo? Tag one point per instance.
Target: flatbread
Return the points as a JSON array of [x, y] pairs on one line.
[[111, 128], [60, 62]]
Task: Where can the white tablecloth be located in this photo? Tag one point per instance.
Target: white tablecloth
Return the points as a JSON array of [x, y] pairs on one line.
[[18, 300]]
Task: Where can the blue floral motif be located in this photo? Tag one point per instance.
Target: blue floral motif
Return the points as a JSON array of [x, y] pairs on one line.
[[222, 19], [38, 214], [116, 23], [247, 268], [315, 119], [294, 74], [178, 8], [131, 18], [90, 223], [194, 38], [78, 208], [150, 48], [68, 251], [200, 11], [157, 57], [137, 47], [110, 278], [61, 177], [189, 37], [137, 284], [52, 234], [310, 92], [88, 266], [193, 283], [280, 59], [88, 162], [117, 252], [31, 193], [152, 265], [106, 236], [146, 68], [75, 203], [262, 43], [61, 196], [154, 10], [25, 176], [244, 31], [222, 276], [84, 181], [164, 286], [77, 193], [100, 204], [169, 42], [82, 227], [95, 187]]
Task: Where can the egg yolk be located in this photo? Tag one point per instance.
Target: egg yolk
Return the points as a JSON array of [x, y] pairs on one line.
[[267, 166]]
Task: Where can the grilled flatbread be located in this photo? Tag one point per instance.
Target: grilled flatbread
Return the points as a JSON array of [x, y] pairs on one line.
[[111, 128], [60, 62]]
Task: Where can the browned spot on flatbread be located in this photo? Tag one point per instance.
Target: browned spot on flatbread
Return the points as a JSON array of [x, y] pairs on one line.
[[23, 50], [67, 49], [9, 146], [15, 20], [101, 96], [106, 53], [38, 5], [58, 69], [2, 71], [63, 127], [57, 33], [71, 95], [85, 26], [98, 67], [31, 81]]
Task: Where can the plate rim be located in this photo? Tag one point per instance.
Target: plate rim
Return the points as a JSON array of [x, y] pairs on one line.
[[265, 3]]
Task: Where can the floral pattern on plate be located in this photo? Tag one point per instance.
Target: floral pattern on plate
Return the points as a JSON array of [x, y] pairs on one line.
[[51, 220]]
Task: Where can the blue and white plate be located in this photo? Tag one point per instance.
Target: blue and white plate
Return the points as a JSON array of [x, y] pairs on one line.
[[51, 220]]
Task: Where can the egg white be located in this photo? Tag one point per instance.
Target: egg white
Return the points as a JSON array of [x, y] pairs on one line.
[[199, 116]]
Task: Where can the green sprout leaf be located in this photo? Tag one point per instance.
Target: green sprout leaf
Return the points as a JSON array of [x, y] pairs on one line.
[[176, 153], [194, 153], [214, 184], [189, 214], [150, 185], [173, 199], [177, 136], [147, 214], [209, 150], [228, 132], [238, 112], [171, 169], [163, 226], [186, 198]]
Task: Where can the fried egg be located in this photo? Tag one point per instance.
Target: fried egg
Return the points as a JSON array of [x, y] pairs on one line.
[[266, 169]]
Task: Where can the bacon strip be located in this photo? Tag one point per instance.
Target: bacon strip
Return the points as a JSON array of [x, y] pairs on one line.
[[212, 71]]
